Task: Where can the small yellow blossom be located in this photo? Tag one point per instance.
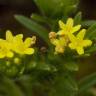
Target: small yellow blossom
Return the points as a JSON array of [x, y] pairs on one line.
[[18, 45], [59, 43], [68, 27], [78, 43], [5, 49]]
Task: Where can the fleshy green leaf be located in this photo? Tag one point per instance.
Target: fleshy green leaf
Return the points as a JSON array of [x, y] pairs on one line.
[[91, 32], [78, 18]]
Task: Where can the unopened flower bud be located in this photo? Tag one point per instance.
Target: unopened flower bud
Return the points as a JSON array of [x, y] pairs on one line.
[[33, 39], [16, 60], [52, 35]]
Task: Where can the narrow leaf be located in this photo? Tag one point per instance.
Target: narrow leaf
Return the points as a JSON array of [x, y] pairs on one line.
[[78, 18], [9, 87], [87, 82], [42, 19], [88, 23], [38, 18], [91, 32]]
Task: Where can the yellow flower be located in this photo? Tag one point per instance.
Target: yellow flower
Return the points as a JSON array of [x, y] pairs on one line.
[[68, 27], [24, 47], [78, 43], [59, 43], [5, 49], [18, 45]]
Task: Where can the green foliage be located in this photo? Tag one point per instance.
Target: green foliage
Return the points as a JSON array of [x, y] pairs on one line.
[[72, 66], [88, 23], [87, 82], [52, 72], [92, 49], [65, 86], [9, 88], [62, 7], [78, 18], [91, 32]]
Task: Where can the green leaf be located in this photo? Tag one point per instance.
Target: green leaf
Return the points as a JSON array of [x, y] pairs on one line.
[[91, 49], [78, 18], [91, 32], [42, 19], [38, 18], [72, 66], [87, 82], [47, 6], [26, 84], [9, 87], [34, 27], [65, 85], [88, 23]]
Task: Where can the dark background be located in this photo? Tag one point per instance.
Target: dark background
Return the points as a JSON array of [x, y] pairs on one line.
[[88, 8], [8, 8]]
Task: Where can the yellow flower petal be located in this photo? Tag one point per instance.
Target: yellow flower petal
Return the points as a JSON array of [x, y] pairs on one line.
[[55, 41], [86, 43], [72, 46], [69, 23], [61, 24], [2, 55], [81, 34], [61, 32], [10, 54], [29, 51], [59, 49], [9, 36], [63, 41], [72, 38], [19, 36], [76, 28], [28, 42], [80, 50]]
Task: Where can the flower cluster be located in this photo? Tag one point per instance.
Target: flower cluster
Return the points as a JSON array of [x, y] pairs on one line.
[[15, 44], [65, 37]]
